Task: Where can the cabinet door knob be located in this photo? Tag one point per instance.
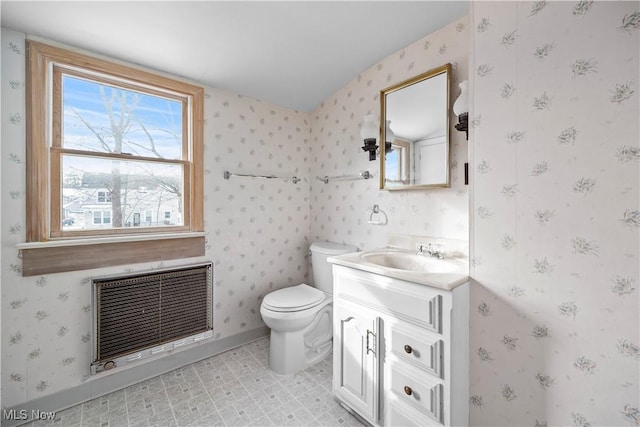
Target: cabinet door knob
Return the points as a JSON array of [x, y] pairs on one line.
[[408, 349], [408, 390]]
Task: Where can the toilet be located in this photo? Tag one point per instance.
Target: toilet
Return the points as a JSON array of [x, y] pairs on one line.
[[300, 317]]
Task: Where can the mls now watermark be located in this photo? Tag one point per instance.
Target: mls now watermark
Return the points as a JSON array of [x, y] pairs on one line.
[[23, 414]]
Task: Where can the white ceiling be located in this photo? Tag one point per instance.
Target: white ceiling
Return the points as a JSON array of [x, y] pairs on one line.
[[293, 54]]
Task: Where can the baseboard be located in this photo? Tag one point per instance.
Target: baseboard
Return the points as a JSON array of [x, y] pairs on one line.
[[353, 413], [124, 377]]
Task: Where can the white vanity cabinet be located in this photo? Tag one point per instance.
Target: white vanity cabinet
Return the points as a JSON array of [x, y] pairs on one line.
[[355, 357], [400, 349]]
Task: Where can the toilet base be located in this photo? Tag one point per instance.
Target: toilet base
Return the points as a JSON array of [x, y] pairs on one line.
[[290, 352], [283, 362]]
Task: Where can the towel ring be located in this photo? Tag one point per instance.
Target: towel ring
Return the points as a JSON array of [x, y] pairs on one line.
[[376, 210]]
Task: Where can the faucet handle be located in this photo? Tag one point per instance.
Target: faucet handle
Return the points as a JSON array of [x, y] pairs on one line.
[[424, 249]]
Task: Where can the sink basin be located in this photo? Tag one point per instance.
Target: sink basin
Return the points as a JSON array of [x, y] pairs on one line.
[[409, 262], [405, 264]]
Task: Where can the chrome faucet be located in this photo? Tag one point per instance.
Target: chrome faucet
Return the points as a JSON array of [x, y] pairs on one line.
[[436, 251]]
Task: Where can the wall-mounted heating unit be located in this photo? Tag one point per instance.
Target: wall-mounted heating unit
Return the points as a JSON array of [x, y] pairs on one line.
[[145, 314]]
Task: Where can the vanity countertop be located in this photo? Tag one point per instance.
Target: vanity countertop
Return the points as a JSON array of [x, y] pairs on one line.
[[454, 271]]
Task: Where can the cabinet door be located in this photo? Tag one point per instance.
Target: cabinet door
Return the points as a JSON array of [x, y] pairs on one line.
[[355, 361]]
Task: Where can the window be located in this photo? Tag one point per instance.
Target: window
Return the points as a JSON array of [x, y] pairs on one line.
[[397, 165], [101, 132], [403, 149], [97, 217], [103, 196], [101, 217]]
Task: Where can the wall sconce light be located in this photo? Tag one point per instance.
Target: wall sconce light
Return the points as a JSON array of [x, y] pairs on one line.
[[369, 133], [461, 109]]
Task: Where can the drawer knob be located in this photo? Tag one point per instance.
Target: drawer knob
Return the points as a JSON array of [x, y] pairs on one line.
[[408, 349], [408, 390]]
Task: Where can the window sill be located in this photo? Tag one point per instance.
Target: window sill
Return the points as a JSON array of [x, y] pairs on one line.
[[61, 255]]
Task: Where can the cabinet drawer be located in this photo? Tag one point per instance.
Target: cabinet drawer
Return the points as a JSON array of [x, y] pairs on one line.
[[417, 304], [400, 414], [424, 349], [418, 390]]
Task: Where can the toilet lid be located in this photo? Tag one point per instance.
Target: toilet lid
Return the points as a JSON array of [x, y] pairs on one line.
[[294, 298]]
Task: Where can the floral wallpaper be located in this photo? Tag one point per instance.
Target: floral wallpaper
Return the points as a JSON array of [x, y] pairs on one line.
[[555, 213], [340, 209], [256, 234]]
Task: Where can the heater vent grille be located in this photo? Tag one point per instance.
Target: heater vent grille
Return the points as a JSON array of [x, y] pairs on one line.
[[137, 312]]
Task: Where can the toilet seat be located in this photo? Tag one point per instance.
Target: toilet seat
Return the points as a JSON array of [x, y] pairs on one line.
[[294, 298]]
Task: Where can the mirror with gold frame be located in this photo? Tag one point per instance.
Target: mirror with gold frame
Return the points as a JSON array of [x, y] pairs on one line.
[[414, 125]]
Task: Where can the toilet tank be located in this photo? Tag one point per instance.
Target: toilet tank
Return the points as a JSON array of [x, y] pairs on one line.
[[322, 270]]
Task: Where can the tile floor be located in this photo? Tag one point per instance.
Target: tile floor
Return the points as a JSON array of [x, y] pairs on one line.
[[234, 388]]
